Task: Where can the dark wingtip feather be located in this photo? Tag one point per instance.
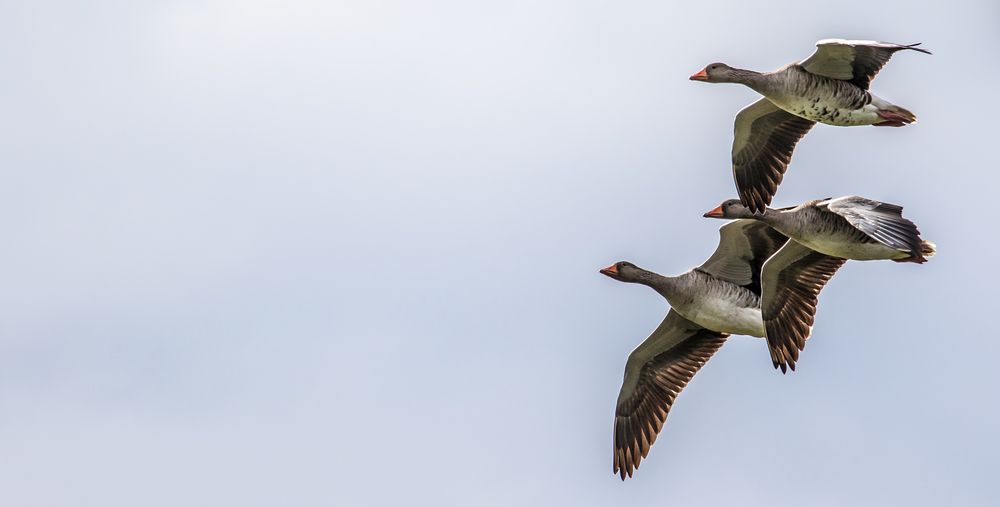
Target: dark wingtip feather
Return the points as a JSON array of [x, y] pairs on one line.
[[753, 200], [915, 48], [641, 417], [787, 364]]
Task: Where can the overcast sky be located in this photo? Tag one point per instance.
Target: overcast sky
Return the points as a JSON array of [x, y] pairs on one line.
[[265, 253]]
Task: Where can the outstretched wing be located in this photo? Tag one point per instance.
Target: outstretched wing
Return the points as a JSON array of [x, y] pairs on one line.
[[881, 221], [744, 245], [656, 372], [764, 138], [791, 281], [857, 61]]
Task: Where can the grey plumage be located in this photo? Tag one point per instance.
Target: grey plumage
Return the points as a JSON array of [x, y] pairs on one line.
[[723, 296], [882, 222], [744, 245], [831, 86], [856, 62], [823, 235], [764, 138], [794, 277], [662, 365], [655, 373]]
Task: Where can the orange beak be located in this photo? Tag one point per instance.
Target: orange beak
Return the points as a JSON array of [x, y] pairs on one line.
[[610, 270], [715, 213], [700, 76]]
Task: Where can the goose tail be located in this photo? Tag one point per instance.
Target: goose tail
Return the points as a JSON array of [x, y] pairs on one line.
[[927, 249]]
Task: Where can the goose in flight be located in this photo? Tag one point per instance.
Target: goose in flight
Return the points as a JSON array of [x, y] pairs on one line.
[[831, 86], [753, 263], [849, 227]]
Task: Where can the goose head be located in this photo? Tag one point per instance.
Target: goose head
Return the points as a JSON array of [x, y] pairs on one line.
[[731, 209], [716, 73], [625, 271]]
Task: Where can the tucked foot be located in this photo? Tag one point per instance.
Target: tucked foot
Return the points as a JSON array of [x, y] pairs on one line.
[[896, 117], [891, 124]]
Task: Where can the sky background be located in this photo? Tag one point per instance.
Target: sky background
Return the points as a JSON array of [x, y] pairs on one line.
[[264, 253]]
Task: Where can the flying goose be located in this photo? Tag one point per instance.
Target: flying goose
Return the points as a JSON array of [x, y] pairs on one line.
[[831, 86], [723, 296], [849, 227]]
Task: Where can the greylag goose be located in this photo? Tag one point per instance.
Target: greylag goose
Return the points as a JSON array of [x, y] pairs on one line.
[[849, 227], [831, 86], [708, 303]]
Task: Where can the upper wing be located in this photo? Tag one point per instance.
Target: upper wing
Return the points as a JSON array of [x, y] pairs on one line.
[[881, 221], [744, 245], [791, 281], [857, 61], [656, 372], [763, 141]]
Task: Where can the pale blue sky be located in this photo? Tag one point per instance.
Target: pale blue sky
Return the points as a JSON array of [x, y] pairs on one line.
[[266, 253]]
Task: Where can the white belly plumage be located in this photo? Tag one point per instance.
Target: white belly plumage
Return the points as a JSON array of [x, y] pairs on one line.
[[722, 315], [819, 110], [847, 249]]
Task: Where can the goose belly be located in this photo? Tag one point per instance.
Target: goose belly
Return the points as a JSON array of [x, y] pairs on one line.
[[849, 248], [823, 110], [724, 316]]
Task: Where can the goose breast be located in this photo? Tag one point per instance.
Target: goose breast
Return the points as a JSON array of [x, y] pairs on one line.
[[822, 99], [719, 305]]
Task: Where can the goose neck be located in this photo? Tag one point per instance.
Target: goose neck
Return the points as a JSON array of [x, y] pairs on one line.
[[666, 286], [752, 79]]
